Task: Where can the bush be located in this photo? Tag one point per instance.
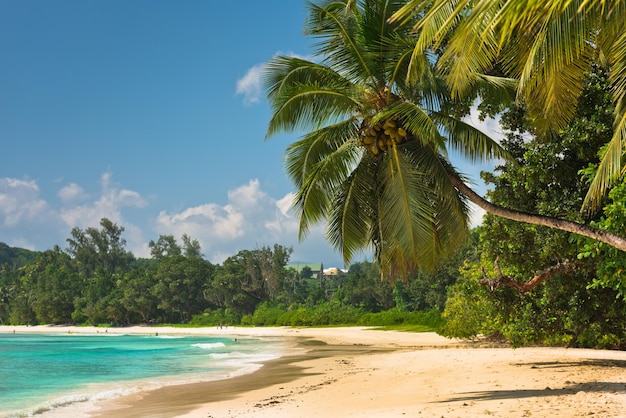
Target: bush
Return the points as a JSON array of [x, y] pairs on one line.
[[215, 318], [431, 319], [264, 315], [469, 311]]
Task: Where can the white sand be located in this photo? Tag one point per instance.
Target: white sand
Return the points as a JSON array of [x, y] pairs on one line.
[[421, 375]]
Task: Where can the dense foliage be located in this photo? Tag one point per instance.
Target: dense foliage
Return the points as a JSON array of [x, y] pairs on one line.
[[547, 177], [97, 281]]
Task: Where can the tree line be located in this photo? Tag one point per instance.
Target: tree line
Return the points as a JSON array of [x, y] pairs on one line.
[[97, 281]]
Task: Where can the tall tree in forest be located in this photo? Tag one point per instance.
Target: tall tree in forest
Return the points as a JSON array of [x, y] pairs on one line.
[[104, 249], [191, 247], [101, 258], [373, 161], [55, 285], [180, 285], [165, 246], [546, 179]]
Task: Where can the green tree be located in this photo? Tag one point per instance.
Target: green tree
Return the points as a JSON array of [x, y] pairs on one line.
[[546, 48], [9, 287], [232, 288], [546, 180], [103, 249], [56, 284], [138, 294], [191, 247], [272, 264], [611, 263], [165, 246], [306, 272], [373, 161], [249, 278], [362, 287], [430, 291], [181, 283], [101, 259]]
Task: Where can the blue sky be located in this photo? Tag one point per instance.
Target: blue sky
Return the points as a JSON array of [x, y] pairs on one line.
[[149, 113]]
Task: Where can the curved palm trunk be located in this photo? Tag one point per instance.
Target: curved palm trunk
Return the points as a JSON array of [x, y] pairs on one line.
[[556, 223]]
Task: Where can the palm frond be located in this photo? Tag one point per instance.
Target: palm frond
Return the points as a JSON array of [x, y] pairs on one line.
[[282, 72], [302, 155], [468, 140], [337, 32], [472, 48], [557, 59], [433, 28], [404, 212], [438, 168], [419, 225], [351, 218], [315, 197], [308, 106], [617, 58], [609, 169]]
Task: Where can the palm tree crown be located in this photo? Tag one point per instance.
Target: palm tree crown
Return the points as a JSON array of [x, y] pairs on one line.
[[372, 161], [547, 47]]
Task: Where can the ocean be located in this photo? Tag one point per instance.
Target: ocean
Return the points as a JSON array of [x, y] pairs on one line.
[[49, 375]]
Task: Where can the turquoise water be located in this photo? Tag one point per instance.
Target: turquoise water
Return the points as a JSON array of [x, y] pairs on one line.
[[39, 373]]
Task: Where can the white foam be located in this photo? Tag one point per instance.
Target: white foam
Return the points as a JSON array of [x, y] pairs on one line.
[[83, 403], [208, 346]]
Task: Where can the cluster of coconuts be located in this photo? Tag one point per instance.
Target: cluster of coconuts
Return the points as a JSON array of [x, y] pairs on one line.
[[381, 136]]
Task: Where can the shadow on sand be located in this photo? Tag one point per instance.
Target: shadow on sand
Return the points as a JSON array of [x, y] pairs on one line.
[[570, 388]]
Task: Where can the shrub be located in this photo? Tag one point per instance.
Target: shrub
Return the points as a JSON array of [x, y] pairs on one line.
[[216, 317]]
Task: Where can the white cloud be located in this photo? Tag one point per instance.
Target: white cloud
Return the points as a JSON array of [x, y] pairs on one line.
[[20, 202], [250, 219], [220, 222], [248, 195], [109, 204], [250, 85], [488, 126], [285, 204], [476, 215], [71, 193]]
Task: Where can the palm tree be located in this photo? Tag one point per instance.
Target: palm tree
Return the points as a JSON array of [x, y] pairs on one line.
[[373, 160], [546, 46]]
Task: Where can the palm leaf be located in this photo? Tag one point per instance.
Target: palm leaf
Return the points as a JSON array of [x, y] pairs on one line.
[[468, 140], [301, 156], [350, 220], [315, 197], [608, 169], [308, 106], [338, 44], [282, 71]]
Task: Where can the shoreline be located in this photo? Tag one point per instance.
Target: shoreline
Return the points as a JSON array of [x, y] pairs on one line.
[[356, 371]]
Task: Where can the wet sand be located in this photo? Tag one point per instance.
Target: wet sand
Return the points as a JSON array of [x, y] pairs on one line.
[[357, 372]]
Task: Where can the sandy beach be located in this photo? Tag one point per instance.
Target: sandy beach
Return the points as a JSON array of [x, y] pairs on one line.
[[358, 372]]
